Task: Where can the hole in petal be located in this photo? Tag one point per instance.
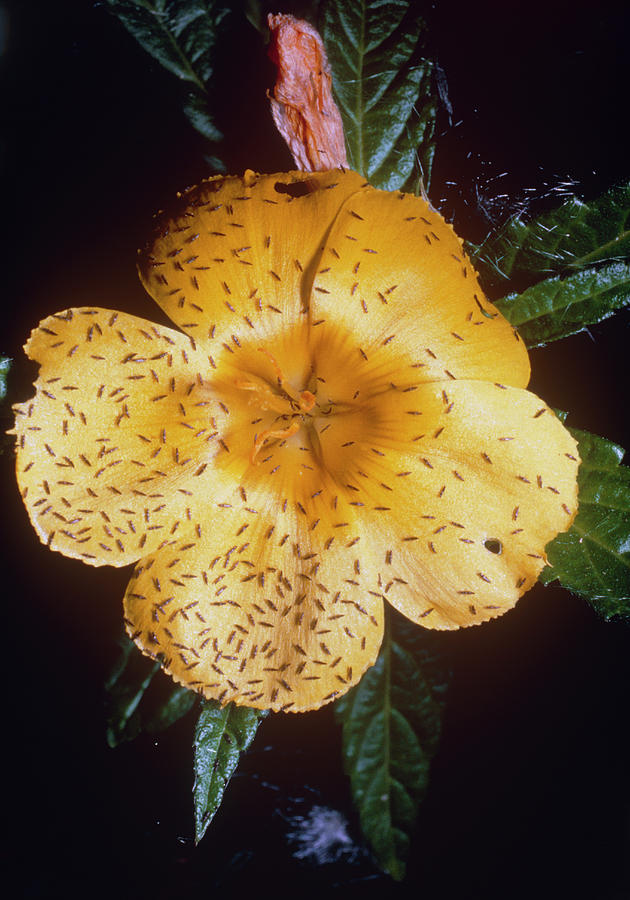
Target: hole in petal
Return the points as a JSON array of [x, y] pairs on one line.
[[296, 189], [494, 545]]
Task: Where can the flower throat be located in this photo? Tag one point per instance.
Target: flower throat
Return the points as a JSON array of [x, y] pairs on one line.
[[286, 401]]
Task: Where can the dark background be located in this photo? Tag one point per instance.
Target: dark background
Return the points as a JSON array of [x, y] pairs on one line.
[[529, 792]]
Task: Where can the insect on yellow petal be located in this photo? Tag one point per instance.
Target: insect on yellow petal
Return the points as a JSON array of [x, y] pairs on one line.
[[344, 421], [269, 609], [235, 261], [477, 485], [113, 449], [394, 275]]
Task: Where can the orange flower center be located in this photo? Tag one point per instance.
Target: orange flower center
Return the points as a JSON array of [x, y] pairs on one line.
[[306, 415]]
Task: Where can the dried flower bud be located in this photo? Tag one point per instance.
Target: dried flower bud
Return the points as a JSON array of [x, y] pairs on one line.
[[302, 104]]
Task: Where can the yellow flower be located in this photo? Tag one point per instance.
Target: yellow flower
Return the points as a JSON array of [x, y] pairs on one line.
[[341, 421]]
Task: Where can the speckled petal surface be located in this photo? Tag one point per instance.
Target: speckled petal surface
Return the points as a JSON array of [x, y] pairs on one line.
[[268, 607], [342, 422], [395, 275], [235, 261], [113, 449], [475, 481]]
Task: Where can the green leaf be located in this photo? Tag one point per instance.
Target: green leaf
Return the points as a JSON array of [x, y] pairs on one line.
[[174, 703], [197, 112], [5, 365], [391, 727], [384, 86], [592, 559], [586, 249], [139, 698], [221, 735], [558, 307], [182, 35], [573, 236]]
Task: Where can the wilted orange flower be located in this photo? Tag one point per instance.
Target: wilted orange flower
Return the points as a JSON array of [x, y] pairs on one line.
[[342, 420], [302, 103]]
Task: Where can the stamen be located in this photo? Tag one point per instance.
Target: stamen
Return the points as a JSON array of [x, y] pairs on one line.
[[266, 397], [307, 401], [272, 433], [274, 362]]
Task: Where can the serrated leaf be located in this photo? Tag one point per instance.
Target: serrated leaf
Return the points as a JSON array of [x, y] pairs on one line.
[[221, 735], [592, 559], [570, 238], [5, 365], [138, 698], [558, 307], [181, 35], [391, 727], [385, 88]]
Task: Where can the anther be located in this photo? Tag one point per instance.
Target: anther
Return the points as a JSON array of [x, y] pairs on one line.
[[307, 401]]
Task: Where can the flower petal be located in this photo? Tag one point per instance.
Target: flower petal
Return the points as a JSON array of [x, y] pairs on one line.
[[237, 258], [461, 490], [267, 607], [394, 274], [120, 429]]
